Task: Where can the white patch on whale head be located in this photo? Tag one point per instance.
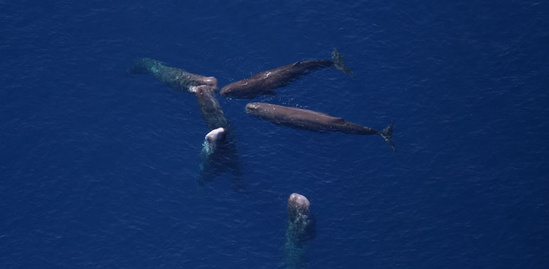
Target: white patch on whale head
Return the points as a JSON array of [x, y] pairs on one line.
[[299, 201], [215, 135], [212, 140]]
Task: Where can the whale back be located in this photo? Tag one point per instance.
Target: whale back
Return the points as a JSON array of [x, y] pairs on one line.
[[267, 81], [295, 117]]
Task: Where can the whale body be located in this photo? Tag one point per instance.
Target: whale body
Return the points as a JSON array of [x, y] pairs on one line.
[[313, 121], [301, 228], [174, 77], [267, 81]]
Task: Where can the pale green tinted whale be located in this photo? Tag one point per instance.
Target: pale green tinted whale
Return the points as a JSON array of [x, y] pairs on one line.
[[174, 77]]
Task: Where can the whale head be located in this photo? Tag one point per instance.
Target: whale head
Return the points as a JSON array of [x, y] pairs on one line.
[[298, 205], [227, 90], [212, 141], [210, 81], [215, 135], [253, 108]]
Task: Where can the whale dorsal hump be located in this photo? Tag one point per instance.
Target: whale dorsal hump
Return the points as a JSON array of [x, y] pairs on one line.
[[338, 120], [325, 115]]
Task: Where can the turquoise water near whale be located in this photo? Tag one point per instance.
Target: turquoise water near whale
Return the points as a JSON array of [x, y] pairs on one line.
[[98, 169]]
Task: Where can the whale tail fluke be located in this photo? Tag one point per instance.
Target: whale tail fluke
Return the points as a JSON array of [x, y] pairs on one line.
[[387, 135], [337, 58]]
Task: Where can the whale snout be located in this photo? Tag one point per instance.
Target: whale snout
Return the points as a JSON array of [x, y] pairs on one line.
[[252, 107], [215, 135], [298, 203], [211, 81], [227, 90]]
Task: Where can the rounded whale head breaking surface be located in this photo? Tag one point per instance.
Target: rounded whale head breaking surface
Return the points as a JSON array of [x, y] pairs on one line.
[[215, 135], [298, 205], [212, 141], [300, 229]]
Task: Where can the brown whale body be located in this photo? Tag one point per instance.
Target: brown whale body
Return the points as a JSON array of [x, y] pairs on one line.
[[313, 120], [267, 81]]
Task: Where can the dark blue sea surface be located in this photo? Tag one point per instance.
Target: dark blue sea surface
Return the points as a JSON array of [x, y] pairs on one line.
[[98, 169]]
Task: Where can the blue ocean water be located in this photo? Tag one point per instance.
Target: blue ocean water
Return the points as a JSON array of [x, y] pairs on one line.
[[98, 168]]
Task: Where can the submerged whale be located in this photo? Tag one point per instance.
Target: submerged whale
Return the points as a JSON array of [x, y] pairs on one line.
[[267, 81], [300, 229], [174, 77], [300, 221], [314, 121], [213, 141], [219, 153]]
